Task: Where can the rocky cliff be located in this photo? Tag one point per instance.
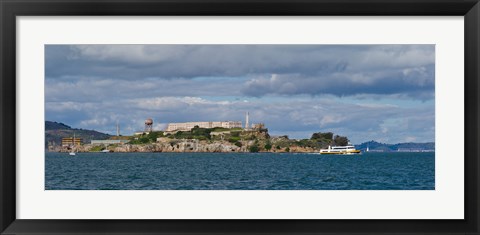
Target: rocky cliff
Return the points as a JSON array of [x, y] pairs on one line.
[[179, 146]]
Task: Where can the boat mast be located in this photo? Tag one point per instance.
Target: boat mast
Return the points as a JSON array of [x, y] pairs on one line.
[[73, 142]]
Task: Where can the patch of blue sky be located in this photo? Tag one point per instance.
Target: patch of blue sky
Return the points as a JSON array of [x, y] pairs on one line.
[[404, 103]]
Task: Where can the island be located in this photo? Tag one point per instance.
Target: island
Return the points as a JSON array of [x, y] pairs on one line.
[[59, 138], [63, 138]]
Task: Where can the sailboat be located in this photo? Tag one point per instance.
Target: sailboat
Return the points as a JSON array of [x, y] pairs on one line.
[[72, 153]]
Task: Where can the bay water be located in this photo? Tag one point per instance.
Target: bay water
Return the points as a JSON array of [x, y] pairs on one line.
[[240, 171]]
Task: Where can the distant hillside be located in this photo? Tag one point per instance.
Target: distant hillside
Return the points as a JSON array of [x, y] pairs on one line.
[[56, 126], [55, 131], [376, 146]]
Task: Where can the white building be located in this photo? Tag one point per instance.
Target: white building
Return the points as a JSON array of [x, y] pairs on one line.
[[186, 126], [106, 142]]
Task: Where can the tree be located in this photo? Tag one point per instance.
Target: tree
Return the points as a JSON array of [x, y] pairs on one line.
[[340, 140], [154, 135], [320, 136], [253, 148], [268, 146]]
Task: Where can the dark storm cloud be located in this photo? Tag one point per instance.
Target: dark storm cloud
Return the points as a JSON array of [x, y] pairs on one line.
[[89, 89], [174, 61], [298, 69], [416, 82]]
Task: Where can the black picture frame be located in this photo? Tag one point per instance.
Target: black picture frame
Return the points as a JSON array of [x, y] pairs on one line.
[[10, 9]]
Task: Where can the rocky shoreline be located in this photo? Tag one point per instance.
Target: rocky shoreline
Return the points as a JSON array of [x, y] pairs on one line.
[[180, 146]]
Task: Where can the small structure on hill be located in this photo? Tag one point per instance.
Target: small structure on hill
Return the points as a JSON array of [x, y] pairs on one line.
[[148, 125]]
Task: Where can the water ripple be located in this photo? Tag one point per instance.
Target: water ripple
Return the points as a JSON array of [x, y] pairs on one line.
[[239, 171]]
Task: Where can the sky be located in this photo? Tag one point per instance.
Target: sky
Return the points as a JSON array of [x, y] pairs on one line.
[[384, 93]]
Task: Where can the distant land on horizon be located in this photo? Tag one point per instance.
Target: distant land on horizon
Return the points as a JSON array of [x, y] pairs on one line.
[[55, 131], [382, 147]]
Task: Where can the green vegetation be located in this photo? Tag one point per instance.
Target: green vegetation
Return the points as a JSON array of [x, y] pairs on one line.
[[253, 149], [183, 135], [282, 143], [146, 138], [232, 135], [195, 133], [340, 140], [317, 141], [139, 140], [233, 139], [97, 148], [268, 146], [322, 136], [308, 143], [329, 138], [253, 140]]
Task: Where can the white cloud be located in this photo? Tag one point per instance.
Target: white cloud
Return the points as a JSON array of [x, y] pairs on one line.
[[410, 139]]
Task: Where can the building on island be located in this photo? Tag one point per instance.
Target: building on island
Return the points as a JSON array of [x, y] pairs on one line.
[[258, 126], [112, 140], [107, 142], [69, 141], [186, 126]]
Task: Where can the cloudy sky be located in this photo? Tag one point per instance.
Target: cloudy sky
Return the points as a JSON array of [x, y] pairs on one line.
[[366, 92]]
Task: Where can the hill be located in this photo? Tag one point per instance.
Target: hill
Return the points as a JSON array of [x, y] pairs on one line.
[[56, 126], [376, 146], [55, 131]]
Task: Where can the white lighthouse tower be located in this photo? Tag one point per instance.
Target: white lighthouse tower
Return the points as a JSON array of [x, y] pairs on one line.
[[246, 121]]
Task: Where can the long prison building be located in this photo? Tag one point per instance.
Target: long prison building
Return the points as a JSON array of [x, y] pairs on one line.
[[186, 126]]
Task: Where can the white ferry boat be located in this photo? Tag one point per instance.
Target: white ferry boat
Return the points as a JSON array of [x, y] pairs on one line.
[[340, 150]]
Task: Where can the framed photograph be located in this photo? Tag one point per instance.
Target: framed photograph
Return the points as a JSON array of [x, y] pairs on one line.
[[256, 117]]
